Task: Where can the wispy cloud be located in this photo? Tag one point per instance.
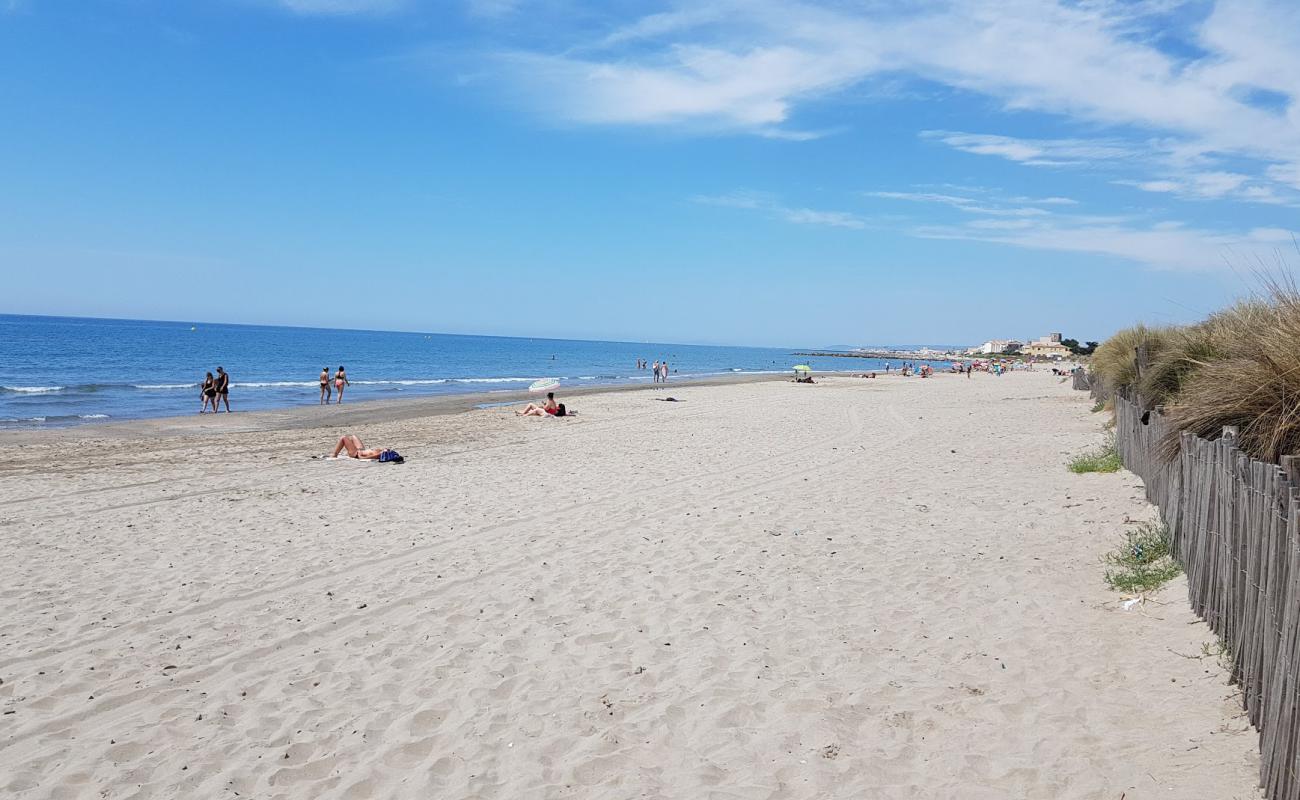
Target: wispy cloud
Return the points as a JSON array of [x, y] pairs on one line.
[[1158, 246], [342, 7], [493, 8], [1038, 152], [1162, 245], [768, 203], [986, 203], [1228, 85]]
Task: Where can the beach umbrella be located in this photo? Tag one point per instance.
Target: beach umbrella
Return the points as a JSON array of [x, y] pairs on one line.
[[544, 385], [802, 368]]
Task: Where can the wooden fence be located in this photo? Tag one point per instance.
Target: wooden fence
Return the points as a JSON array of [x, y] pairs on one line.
[[1234, 523], [1082, 380]]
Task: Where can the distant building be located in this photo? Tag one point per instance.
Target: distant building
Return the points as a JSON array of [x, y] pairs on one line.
[[995, 346], [1049, 346]]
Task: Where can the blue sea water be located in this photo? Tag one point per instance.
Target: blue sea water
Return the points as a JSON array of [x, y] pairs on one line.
[[69, 370]]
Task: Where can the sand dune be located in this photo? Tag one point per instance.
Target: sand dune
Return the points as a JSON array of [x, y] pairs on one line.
[[859, 589]]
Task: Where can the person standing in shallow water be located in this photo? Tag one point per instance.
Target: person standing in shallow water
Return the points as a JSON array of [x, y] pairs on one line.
[[324, 386], [340, 380]]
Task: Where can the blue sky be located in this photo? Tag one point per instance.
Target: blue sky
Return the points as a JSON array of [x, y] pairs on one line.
[[733, 172]]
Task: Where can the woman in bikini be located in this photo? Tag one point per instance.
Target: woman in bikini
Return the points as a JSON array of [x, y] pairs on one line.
[[324, 386], [340, 380], [209, 394], [355, 449], [546, 409]]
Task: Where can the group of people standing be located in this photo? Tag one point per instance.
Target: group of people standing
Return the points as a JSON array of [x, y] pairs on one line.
[[339, 380], [215, 391], [659, 370]]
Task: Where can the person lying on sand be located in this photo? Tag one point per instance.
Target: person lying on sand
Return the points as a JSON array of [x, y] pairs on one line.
[[549, 408], [532, 410], [355, 449]]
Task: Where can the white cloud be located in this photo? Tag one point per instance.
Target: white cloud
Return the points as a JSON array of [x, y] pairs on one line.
[[1047, 152], [1154, 186], [342, 7], [1211, 186], [834, 219], [747, 65], [1288, 174], [1163, 245], [762, 201], [1167, 245], [493, 8], [987, 205]]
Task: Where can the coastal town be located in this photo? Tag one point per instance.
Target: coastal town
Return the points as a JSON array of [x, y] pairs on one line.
[[1050, 347]]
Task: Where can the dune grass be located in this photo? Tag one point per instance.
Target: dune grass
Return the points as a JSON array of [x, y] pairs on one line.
[[1238, 367], [1104, 458], [1115, 363], [1253, 383], [1143, 562]]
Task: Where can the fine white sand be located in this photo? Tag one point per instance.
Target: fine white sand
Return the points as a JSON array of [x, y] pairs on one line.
[[859, 589]]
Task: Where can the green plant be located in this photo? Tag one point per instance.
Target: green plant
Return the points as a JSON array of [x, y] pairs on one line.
[[1143, 562], [1100, 405], [1100, 459]]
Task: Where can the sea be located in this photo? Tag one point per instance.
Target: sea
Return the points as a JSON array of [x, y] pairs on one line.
[[60, 371]]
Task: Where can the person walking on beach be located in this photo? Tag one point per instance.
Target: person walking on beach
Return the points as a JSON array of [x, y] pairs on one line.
[[324, 386], [223, 390], [340, 380], [208, 392], [656, 371], [663, 369]]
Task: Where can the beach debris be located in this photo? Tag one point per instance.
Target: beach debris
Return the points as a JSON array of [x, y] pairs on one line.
[[1133, 601], [831, 751]]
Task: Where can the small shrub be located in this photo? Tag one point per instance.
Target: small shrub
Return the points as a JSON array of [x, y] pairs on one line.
[[1101, 459], [1100, 405], [1143, 562]]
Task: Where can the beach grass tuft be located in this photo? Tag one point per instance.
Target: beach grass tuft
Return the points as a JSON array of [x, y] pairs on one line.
[[1115, 362], [1252, 383], [1100, 459], [1239, 367], [1143, 562], [1100, 405]]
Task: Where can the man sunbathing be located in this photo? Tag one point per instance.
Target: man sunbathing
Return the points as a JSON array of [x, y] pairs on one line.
[[355, 449]]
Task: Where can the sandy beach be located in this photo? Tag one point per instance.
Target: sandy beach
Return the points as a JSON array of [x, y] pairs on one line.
[[883, 588]]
